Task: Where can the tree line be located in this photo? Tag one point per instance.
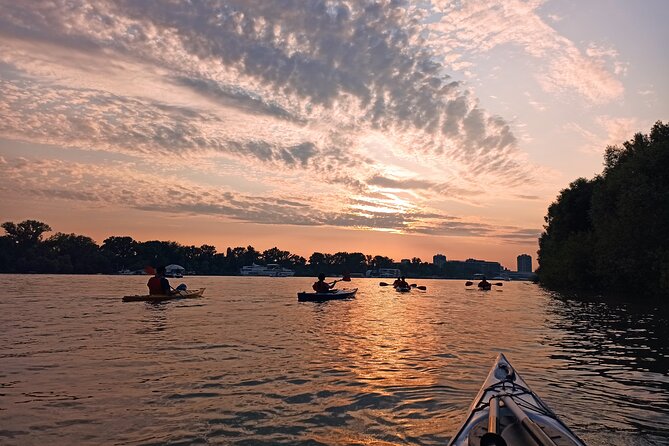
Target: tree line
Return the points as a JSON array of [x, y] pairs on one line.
[[610, 234], [25, 249]]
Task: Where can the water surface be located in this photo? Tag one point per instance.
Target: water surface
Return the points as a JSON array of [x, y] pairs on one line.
[[248, 364]]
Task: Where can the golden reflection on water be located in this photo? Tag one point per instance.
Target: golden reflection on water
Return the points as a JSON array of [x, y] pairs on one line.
[[249, 363]]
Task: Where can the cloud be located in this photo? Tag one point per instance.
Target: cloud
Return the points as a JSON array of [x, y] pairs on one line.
[[522, 236], [608, 131], [120, 185], [314, 113], [478, 27], [378, 180], [232, 96], [335, 68]]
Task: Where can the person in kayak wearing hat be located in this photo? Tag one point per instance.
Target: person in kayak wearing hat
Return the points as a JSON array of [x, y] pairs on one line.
[[321, 286], [159, 284]]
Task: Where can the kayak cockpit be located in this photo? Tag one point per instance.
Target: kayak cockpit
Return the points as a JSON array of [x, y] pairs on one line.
[[506, 412], [513, 432]]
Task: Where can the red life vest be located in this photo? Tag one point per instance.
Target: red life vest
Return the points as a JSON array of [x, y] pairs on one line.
[[155, 286]]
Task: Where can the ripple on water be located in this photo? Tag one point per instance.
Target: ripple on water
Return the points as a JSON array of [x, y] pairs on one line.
[[247, 364]]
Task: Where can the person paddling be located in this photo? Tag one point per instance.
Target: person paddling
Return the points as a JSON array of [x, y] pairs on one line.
[[159, 284], [484, 284], [321, 286], [400, 283]]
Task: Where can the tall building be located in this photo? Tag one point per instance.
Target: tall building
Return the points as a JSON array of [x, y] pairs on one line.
[[439, 260], [524, 263], [488, 269]]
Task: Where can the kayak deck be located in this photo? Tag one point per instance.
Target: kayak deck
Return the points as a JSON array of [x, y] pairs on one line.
[[402, 289], [501, 405], [344, 293], [182, 294]]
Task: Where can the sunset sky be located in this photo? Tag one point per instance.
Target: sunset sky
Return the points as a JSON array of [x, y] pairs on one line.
[[399, 128]]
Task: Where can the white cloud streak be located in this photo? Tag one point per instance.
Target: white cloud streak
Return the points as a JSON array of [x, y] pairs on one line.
[[476, 27]]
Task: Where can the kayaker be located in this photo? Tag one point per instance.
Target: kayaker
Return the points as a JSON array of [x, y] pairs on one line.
[[484, 284], [321, 286], [400, 283], [159, 284]]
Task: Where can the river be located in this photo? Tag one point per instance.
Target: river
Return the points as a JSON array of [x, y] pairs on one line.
[[247, 364]]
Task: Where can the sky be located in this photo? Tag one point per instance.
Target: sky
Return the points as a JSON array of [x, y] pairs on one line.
[[396, 128]]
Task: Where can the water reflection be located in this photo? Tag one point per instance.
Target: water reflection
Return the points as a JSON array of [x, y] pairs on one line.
[[621, 335], [248, 364], [620, 352]]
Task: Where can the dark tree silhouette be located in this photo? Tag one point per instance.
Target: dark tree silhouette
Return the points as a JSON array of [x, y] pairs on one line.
[[610, 233]]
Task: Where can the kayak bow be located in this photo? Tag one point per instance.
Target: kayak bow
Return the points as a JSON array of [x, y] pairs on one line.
[[506, 412]]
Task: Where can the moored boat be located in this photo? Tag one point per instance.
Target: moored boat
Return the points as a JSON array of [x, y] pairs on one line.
[[270, 270], [344, 293], [506, 412], [179, 294]]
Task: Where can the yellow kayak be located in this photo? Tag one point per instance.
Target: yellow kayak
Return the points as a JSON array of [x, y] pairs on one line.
[[180, 294]]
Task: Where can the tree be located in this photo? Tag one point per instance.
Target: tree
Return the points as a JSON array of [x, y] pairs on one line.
[[382, 262], [155, 253], [76, 254], [8, 254], [26, 233], [630, 213], [565, 247], [121, 252], [275, 255], [609, 234], [317, 262]]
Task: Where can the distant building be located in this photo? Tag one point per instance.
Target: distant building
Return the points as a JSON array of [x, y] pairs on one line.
[[524, 263], [488, 269], [439, 260]]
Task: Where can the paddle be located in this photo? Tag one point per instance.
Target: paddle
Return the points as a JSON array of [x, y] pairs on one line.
[[492, 438], [345, 278], [526, 422], [177, 291]]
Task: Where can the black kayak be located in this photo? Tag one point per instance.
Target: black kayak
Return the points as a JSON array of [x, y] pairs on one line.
[[506, 412], [344, 293], [402, 289]]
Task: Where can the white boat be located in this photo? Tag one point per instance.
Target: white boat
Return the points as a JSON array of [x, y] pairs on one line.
[[271, 270], [176, 271], [386, 273]]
